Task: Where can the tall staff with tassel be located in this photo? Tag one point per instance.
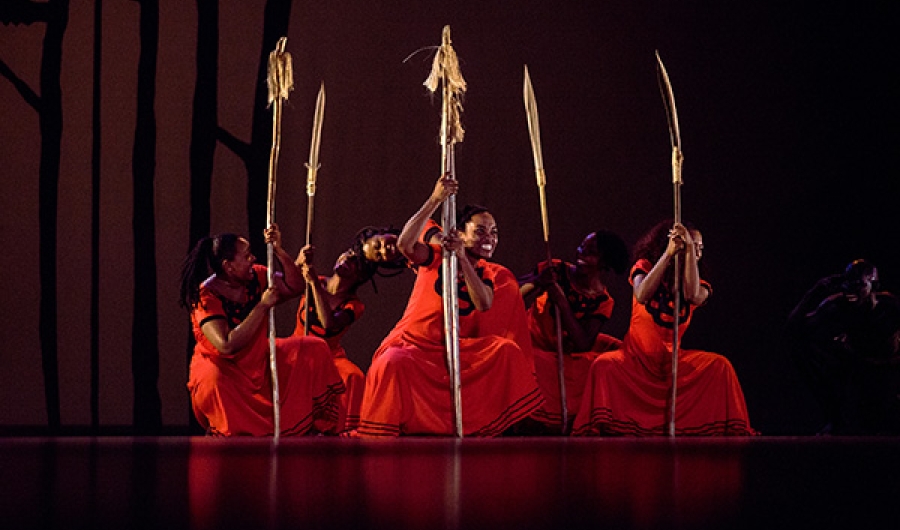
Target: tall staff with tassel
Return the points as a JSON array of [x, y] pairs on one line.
[[677, 160], [445, 73], [280, 81], [312, 169], [534, 131]]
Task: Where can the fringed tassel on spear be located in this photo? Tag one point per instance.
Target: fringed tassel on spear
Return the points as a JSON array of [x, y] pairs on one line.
[[446, 74], [534, 131], [677, 160], [312, 169], [280, 80]]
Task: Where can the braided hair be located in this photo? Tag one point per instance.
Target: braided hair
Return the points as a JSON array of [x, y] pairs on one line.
[[204, 259], [368, 269]]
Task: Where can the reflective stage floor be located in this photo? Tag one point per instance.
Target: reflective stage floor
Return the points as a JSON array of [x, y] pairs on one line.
[[434, 483]]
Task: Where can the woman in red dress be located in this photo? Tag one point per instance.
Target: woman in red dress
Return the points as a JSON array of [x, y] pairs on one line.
[[336, 306], [230, 382], [627, 391], [579, 291], [407, 386]]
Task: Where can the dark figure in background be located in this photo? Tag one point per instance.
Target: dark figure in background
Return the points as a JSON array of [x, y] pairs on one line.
[[585, 305], [845, 339]]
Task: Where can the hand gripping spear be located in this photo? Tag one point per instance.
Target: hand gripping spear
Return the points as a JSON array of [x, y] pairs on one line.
[[534, 130], [280, 80], [445, 73], [312, 168], [677, 160]]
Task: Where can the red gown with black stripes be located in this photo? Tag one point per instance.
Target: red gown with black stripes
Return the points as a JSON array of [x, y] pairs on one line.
[[232, 394], [408, 385], [352, 376], [627, 391], [576, 365]]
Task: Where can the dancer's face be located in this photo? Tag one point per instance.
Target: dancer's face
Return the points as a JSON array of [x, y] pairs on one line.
[[347, 265], [865, 285], [698, 243], [587, 255], [238, 268], [480, 235], [381, 248]]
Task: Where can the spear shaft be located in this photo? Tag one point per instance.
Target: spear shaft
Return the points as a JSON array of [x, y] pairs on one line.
[[677, 160], [312, 169], [445, 72], [534, 130], [280, 82]]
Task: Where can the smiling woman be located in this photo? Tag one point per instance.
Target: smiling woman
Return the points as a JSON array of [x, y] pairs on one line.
[[407, 388]]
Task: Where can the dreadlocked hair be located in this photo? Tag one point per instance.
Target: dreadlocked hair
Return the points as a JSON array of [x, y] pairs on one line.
[[204, 259], [368, 269]]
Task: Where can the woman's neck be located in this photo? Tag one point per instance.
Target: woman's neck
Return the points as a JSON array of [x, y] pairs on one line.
[[229, 282], [589, 282]]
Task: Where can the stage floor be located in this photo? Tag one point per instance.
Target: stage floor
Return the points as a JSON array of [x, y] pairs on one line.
[[436, 483]]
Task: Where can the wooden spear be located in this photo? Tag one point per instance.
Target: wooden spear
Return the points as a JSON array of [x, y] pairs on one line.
[[445, 73], [312, 168], [280, 80], [677, 160], [534, 130]]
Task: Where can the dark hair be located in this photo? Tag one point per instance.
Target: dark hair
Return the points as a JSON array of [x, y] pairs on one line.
[[204, 259], [653, 243], [364, 267], [468, 212], [613, 251], [369, 269]]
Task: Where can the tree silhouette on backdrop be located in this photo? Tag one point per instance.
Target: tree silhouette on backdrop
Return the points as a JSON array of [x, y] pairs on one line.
[[144, 328], [255, 155], [55, 14]]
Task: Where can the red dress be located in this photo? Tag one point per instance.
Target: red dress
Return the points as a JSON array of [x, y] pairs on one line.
[[232, 394], [353, 378], [627, 390], [576, 365], [408, 385]]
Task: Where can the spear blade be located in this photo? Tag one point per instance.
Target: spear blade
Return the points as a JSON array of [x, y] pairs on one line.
[[672, 117], [313, 165], [534, 132], [534, 129]]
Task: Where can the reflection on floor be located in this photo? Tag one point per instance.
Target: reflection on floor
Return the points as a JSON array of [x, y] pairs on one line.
[[515, 483]]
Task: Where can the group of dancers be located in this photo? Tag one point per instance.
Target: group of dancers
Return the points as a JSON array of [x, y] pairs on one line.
[[508, 352], [527, 355]]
